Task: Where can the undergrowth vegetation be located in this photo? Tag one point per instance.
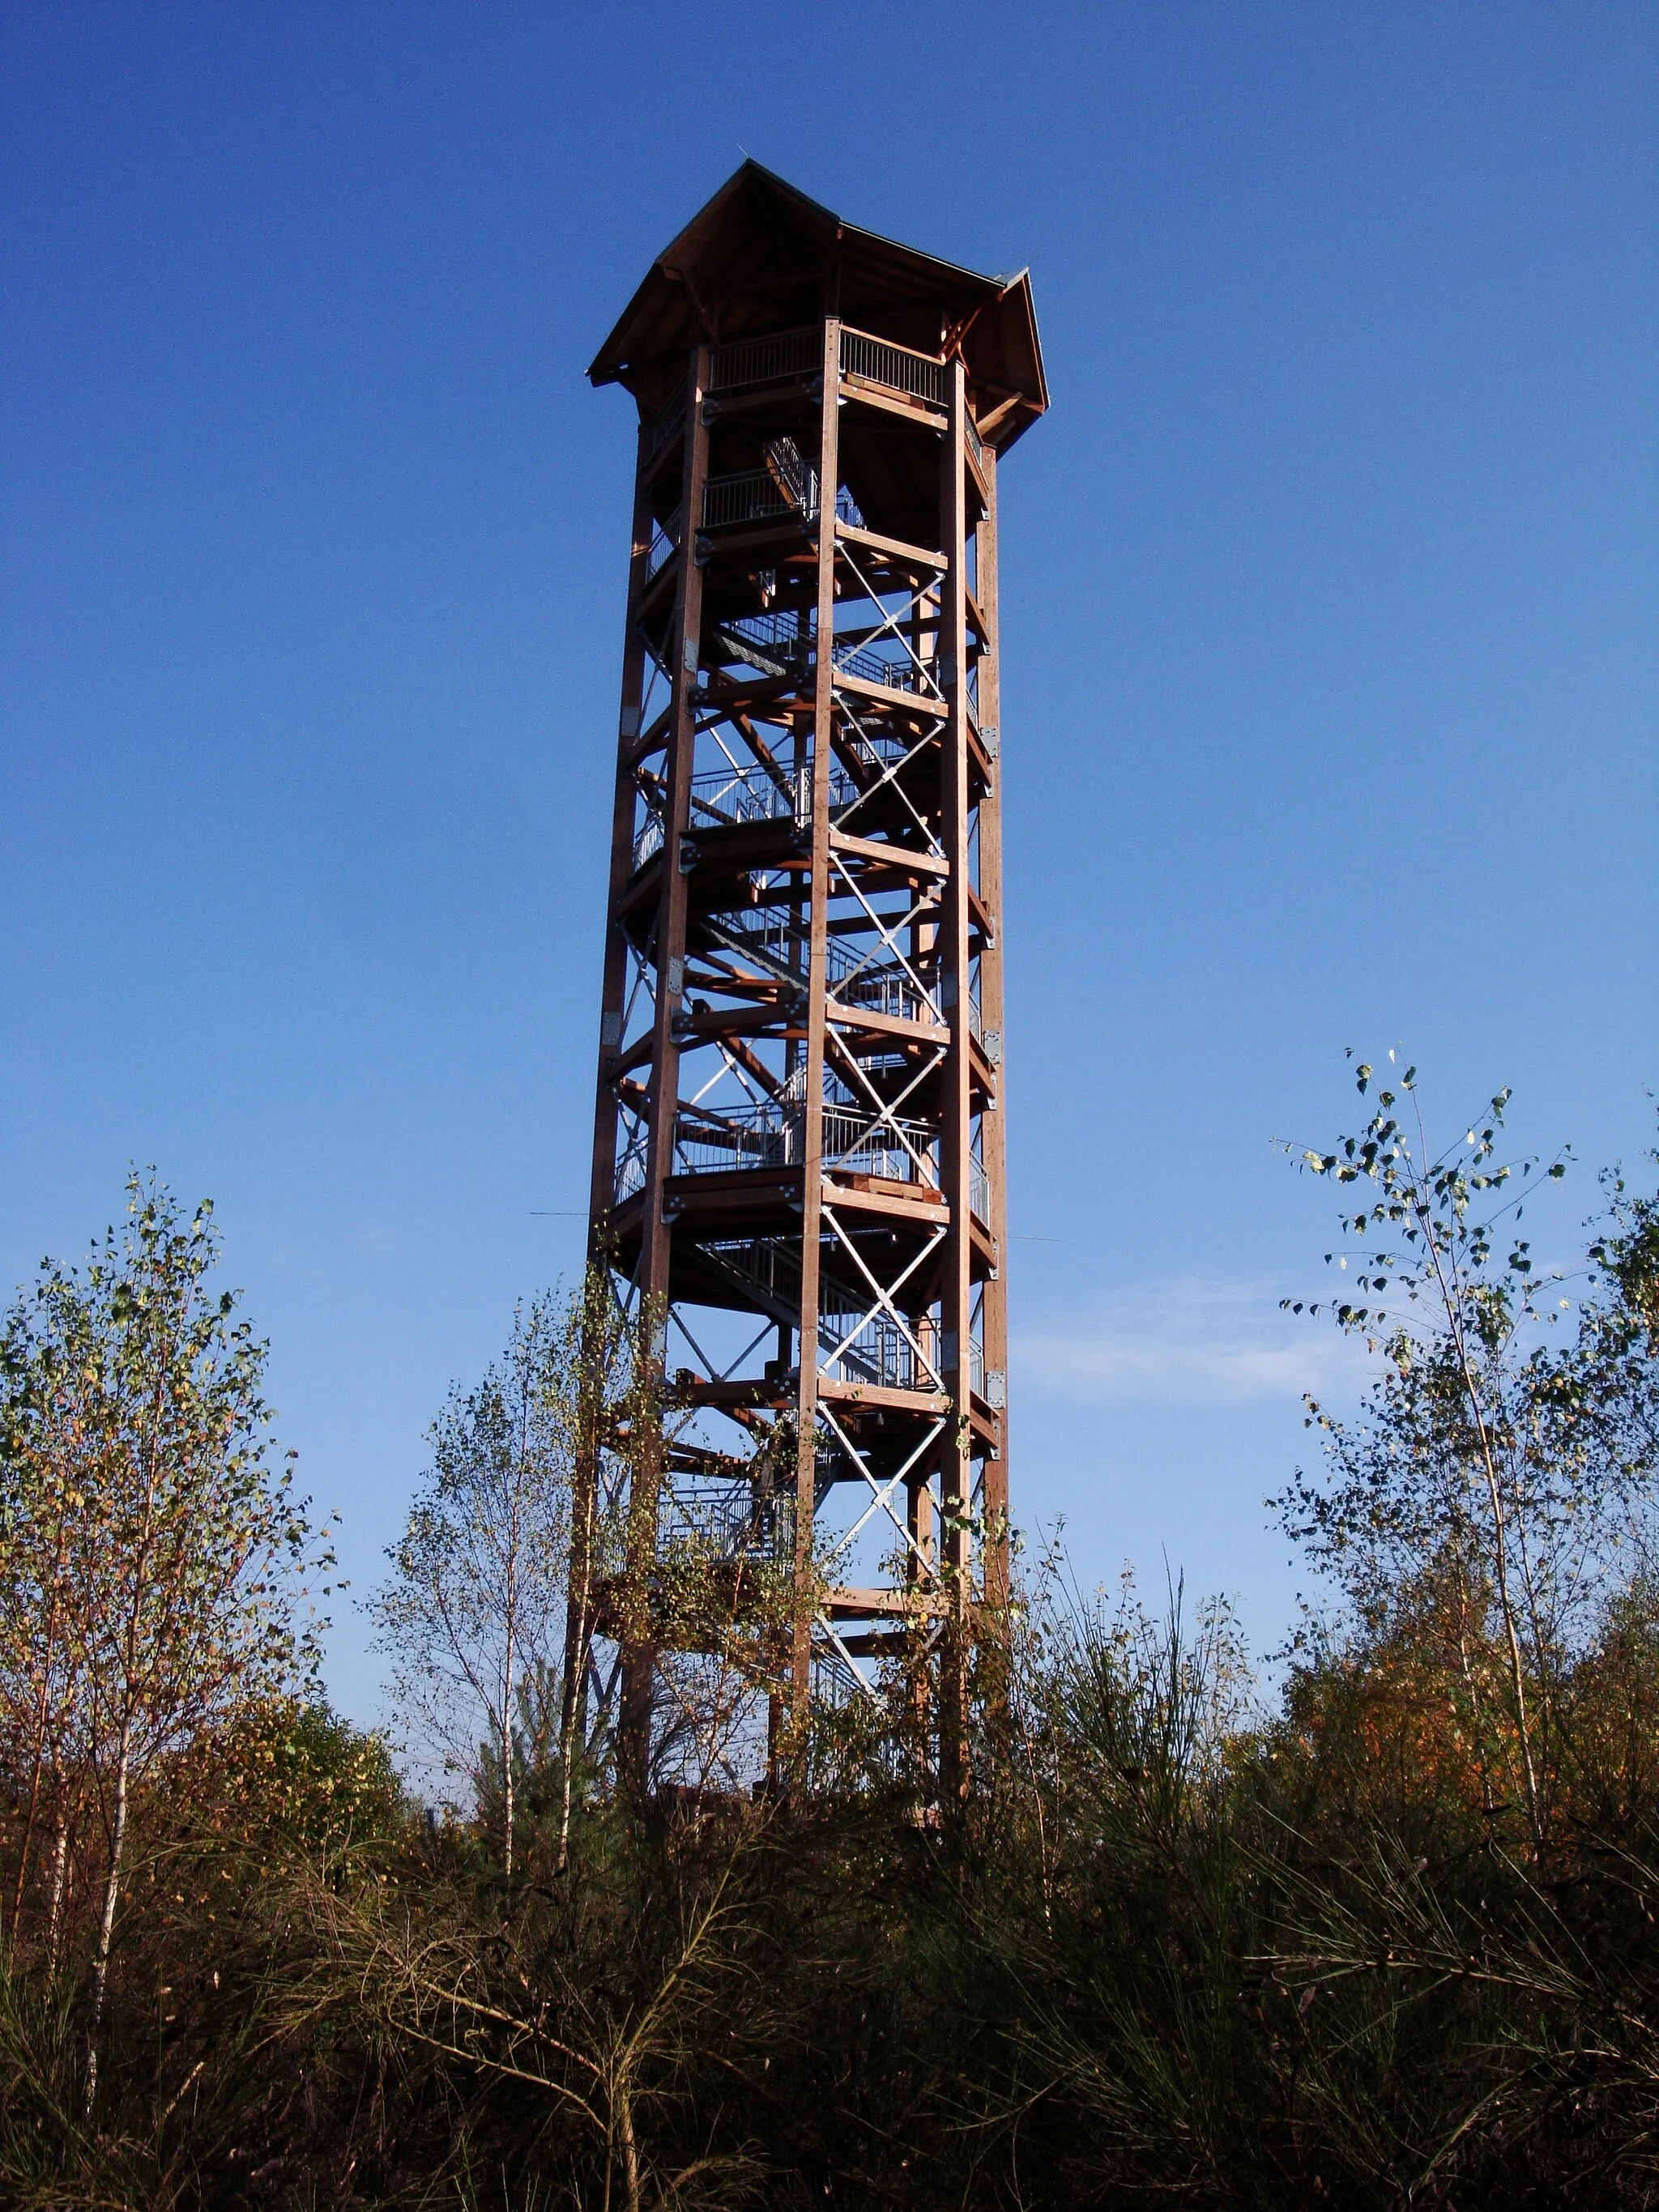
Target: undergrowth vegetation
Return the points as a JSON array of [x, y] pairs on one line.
[[1391, 1937]]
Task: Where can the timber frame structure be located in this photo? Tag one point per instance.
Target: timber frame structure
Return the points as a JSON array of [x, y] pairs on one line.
[[797, 1160]]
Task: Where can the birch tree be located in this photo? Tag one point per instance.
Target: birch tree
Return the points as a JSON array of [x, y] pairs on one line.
[[1496, 1482], [155, 1552], [475, 1603]]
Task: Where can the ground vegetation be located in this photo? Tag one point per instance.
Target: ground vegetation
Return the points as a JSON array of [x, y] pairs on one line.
[[1385, 1934]]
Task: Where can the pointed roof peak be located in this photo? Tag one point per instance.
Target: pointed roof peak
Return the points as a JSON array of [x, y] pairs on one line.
[[762, 255]]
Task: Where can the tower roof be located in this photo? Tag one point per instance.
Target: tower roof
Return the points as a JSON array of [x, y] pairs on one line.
[[761, 256]]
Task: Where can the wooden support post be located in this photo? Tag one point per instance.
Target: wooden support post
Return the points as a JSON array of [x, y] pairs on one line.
[[638, 1641], [955, 1115], [806, 1404], [613, 995], [992, 1131]]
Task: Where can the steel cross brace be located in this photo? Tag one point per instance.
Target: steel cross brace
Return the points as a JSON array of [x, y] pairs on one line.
[[885, 1298], [923, 600], [883, 931], [881, 1493], [886, 1109], [827, 1629], [887, 775]]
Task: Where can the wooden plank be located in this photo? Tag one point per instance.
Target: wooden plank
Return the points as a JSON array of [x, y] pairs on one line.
[[845, 1197], [882, 1399], [921, 706], [865, 1021], [908, 410], [849, 1604], [894, 548], [898, 858]]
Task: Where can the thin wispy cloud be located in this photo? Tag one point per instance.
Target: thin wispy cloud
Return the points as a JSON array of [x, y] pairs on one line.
[[1190, 1340]]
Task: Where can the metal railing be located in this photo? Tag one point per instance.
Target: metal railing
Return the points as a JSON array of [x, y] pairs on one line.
[[725, 1520], [979, 1192], [670, 418], [855, 981], [647, 839], [775, 643], [856, 1144], [756, 495], [902, 671], [664, 541], [769, 1265], [773, 1135], [877, 750], [771, 940], [878, 1350], [768, 360], [721, 798], [884, 986], [630, 1168], [751, 794], [753, 1137], [783, 356], [896, 367]]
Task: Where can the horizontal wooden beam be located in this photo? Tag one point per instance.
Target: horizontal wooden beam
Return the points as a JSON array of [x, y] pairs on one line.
[[843, 1197], [893, 549], [900, 859]]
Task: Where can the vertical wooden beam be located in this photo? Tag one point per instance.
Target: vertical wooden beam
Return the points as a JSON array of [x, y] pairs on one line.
[[955, 1125], [613, 995], [806, 1412], [993, 1146], [656, 1242]]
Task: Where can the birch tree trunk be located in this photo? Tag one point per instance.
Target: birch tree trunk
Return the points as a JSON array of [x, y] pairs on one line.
[[106, 1918]]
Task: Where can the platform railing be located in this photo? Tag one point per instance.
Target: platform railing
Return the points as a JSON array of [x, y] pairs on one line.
[[725, 1520], [670, 418], [895, 1150], [902, 670], [647, 840], [751, 1137], [773, 1135], [664, 541], [782, 356], [774, 642], [756, 495], [876, 1349], [898, 368], [877, 987], [725, 796], [779, 645], [771, 360], [979, 1192]]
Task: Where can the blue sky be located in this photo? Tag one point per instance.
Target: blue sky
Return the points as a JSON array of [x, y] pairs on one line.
[[1329, 628]]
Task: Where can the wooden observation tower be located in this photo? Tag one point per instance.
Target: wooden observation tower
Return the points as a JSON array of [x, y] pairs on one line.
[[798, 1162]]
